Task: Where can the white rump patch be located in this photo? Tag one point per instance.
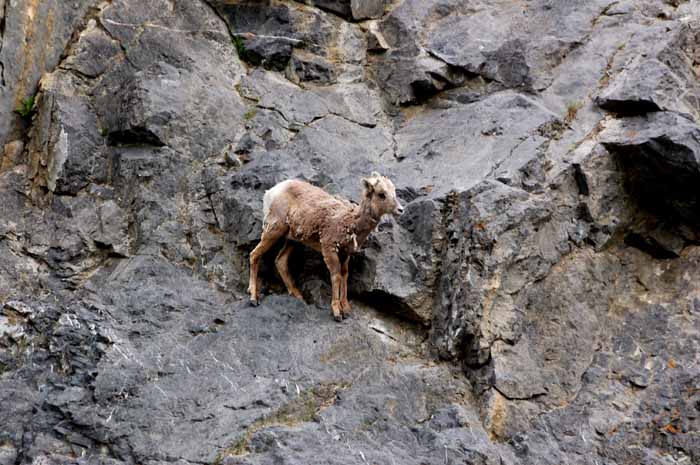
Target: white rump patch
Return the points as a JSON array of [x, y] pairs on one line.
[[270, 196]]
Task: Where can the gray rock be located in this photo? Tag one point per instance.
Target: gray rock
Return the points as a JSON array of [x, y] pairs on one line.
[[353, 9], [535, 304], [499, 49], [143, 114], [68, 149], [364, 9], [660, 155], [459, 146], [246, 18], [340, 7], [30, 47], [659, 79], [271, 53], [322, 45], [94, 52], [312, 68], [299, 107], [630, 95]]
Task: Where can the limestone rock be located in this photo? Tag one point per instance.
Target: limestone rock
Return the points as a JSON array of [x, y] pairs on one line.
[[661, 78], [33, 38], [537, 302], [353, 9], [661, 155]]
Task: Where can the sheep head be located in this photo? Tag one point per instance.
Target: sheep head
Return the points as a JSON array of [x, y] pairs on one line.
[[380, 192]]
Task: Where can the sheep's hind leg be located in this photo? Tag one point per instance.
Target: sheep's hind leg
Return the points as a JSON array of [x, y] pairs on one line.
[[282, 263], [333, 263], [344, 304], [271, 234]]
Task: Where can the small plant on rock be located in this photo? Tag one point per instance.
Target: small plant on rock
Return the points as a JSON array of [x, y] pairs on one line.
[[572, 109], [26, 108], [240, 47]]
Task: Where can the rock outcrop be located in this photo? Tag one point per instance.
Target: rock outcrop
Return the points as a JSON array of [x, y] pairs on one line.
[[537, 303]]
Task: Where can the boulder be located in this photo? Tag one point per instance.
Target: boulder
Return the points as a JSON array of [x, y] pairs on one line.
[[660, 155], [353, 9], [662, 78]]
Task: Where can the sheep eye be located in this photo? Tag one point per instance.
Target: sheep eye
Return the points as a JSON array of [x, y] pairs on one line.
[[382, 195]]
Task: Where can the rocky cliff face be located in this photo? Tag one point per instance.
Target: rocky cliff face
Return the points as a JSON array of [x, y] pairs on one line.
[[538, 302]]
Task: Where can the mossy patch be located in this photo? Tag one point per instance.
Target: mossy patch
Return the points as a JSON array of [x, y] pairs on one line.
[[243, 53], [239, 44], [27, 107]]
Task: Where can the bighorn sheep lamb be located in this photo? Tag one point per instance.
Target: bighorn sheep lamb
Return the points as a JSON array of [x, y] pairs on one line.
[[300, 212]]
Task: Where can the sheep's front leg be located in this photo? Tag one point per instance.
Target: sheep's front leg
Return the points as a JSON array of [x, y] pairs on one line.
[[344, 271], [330, 256]]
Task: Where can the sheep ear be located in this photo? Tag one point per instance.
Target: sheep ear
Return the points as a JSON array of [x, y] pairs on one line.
[[368, 184]]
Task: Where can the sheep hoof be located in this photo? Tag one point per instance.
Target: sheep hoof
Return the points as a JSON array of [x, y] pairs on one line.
[[254, 302], [337, 311]]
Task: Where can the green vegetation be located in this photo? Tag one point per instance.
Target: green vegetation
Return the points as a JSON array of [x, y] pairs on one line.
[[243, 53], [26, 108], [240, 47], [250, 114]]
